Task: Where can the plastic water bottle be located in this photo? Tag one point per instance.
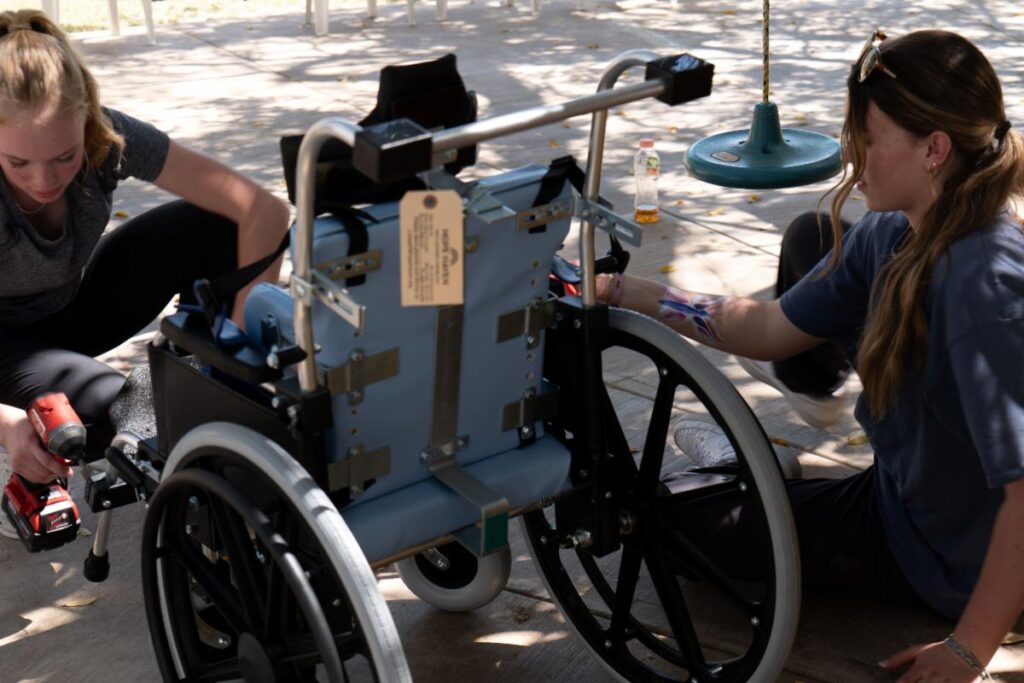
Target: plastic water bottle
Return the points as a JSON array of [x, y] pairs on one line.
[[646, 166]]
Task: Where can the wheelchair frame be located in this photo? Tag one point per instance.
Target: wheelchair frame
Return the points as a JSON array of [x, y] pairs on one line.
[[597, 516]]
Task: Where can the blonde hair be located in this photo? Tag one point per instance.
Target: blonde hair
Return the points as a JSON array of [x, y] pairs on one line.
[[39, 67], [943, 83]]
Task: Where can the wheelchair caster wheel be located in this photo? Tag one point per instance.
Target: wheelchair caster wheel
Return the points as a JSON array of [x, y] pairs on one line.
[[453, 579], [680, 599]]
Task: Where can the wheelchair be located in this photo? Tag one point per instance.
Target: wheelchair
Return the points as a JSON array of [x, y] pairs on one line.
[[343, 432]]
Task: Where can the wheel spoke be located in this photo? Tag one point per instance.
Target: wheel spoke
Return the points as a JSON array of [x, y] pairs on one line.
[[246, 571], [657, 434], [671, 597], [625, 589], [707, 570], [220, 594]]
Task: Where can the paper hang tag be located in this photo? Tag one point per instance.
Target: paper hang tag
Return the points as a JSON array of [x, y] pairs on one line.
[[431, 230]]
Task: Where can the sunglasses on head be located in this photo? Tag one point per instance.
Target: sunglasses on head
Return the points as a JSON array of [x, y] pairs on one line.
[[870, 59]]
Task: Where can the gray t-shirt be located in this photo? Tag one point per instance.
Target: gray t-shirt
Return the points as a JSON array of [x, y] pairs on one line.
[[955, 434], [39, 277]]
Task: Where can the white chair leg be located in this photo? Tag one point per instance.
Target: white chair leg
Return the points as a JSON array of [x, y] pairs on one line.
[[410, 8], [442, 10], [147, 9], [115, 22], [52, 9], [320, 22]]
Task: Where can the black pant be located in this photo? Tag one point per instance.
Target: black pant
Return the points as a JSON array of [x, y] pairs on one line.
[[821, 369], [132, 274]]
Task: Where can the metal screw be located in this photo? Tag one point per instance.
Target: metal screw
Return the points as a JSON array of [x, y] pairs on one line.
[[222, 641], [577, 323], [336, 602], [755, 622], [277, 402], [608, 495], [191, 528], [543, 540], [355, 396], [293, 412], [425, 455], [460, 442], [584, 473], [355, 356], [106, 504], [526, 431], [531, 341], [743, 487], [193, 502], [664, 372], [607, 644]]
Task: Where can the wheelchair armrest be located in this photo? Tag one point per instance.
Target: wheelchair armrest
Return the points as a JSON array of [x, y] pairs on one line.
[[189, 331]]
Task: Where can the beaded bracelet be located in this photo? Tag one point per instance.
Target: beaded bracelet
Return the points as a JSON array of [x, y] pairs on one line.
[[968, 657]]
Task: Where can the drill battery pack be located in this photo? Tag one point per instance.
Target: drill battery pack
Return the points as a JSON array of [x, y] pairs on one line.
[[43, 514]]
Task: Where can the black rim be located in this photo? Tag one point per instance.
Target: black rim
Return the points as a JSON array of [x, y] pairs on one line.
[[660, 553], [249, 592]]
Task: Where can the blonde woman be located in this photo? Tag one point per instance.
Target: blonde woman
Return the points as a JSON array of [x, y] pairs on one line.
[[69, 292], [925, 296]]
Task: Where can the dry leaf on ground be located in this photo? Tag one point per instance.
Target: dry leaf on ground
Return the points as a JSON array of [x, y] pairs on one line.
[[121, 214], [78, 602], [753, 198], [667, 269], [554, 144], [716, 212], [858, 440]]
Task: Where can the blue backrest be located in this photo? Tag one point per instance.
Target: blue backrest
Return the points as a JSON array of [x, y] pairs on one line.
[[505, 272]]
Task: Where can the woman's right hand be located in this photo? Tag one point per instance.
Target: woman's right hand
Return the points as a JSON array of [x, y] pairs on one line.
[[28, 457]]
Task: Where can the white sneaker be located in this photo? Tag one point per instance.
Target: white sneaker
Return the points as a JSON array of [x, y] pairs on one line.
[[817, 411], [704, 442], [7, 529]]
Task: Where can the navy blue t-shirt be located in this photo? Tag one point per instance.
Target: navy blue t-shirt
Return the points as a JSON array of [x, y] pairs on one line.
[[954, 435]]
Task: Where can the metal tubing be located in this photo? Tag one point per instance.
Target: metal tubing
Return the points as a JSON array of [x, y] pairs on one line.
[[99, 544], [592, 188], [472, 133], [305, 182]]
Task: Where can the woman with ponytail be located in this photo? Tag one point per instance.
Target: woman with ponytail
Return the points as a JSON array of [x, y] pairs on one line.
[[69, 292], [924, 296]]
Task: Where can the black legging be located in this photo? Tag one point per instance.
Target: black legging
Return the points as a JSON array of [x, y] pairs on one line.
[[132, 274]]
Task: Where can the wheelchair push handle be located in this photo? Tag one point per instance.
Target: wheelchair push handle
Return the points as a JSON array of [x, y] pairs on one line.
[[396, 149]]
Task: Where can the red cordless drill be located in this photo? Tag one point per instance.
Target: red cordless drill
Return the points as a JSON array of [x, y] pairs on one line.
[[44, 514]]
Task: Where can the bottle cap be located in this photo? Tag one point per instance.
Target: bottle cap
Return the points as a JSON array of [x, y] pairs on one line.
[[647, 142]]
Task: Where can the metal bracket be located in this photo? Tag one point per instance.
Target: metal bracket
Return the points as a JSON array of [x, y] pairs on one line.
[[533, 407], [537, 216], [439, 456], [359, 371], [351, 266], [604, 218], [357, 468], [331, 295], [527, 321]]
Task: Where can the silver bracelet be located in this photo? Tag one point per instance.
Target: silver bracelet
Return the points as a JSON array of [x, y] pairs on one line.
[[968, 657]]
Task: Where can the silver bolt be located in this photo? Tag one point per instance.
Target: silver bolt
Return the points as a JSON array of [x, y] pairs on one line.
[[106, 504], [222, 641], [755, 622], [664, 372], [608, 495], [543, 540], [607, 644], [193, 503], [191, 528], [425, 455], [293, 412], [584, 474], [531, 341], [743, 487], [356, 356], [526, 431], [355, 396], [336, 602], [577, 323], [277, 402]]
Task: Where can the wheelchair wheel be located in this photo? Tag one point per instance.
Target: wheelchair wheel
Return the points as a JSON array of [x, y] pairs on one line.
[[685, 597], [453, 579], [250, 573]]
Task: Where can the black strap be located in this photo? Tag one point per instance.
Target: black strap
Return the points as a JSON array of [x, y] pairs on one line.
[[213, 295], [565, 169]]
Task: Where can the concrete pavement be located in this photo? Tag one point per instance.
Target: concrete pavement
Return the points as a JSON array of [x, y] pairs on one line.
[[232, 88]]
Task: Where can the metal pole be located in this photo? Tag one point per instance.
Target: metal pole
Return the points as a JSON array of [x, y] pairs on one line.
[[624, 61], [305, 183]]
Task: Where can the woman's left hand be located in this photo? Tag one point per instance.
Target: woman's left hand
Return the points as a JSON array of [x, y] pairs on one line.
[[931, 663]]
